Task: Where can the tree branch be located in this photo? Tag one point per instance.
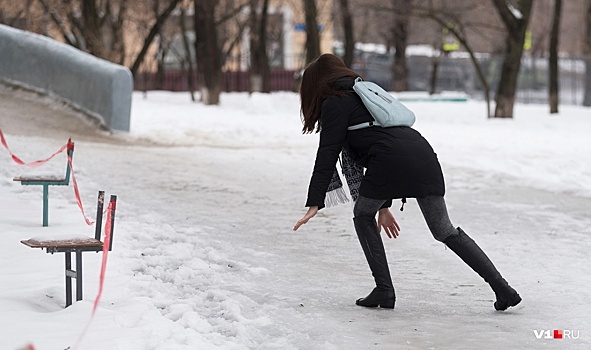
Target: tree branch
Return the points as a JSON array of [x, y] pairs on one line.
[[506, 15], [231, 14], [235, 41], [152, 34], [67, 35]]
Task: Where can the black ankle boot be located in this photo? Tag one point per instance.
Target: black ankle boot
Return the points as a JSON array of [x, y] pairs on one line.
[[373, 248], [385, 298], [471, 254], [506, 296]]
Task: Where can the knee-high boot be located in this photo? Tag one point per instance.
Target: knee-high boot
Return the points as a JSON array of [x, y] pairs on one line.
[[471, 254], [373, 248]]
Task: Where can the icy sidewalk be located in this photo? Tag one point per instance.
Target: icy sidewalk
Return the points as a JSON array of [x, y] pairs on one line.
[[305, 283], [204, 256]]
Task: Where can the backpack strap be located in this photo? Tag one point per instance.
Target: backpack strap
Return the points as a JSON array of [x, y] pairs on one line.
[[366, 124], [363, 125]]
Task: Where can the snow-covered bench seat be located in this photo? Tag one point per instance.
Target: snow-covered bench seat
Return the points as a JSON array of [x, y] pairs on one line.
[[78, 244], [48, 180]]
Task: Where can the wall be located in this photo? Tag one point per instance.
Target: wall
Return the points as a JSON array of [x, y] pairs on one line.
[[95, 86]]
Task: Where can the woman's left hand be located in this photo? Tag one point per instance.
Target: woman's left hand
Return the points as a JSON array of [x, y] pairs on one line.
[[388, 222]]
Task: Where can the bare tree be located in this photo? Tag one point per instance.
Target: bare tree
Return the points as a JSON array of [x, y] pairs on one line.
[[435, 60], [312, 35], [515, 20], [348, 30], [95, 27], [186, 46], [553, 58], [164, 48], [452, 20], [207, 51], [259, 61], [587, 51], [402, 11]]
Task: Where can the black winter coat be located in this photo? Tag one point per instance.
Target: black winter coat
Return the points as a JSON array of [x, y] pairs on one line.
[[399, 162]]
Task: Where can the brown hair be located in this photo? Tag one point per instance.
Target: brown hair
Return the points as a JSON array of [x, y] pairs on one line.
[[315, 87]]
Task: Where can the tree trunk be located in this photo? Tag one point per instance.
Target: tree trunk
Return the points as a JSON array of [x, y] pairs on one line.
[[207, 51], [254, 73], [434, 69], [587, 51], [265, 69], [163, 49], [312, 35], [515, 27], [91, 28], [118, 44], [587, 98], [507, 88], [259, 72], [188, 57], [553, 58], [400, 37], [348, 30]]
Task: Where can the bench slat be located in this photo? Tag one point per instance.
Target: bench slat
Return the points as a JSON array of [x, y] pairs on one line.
[[38, 179], [89, 242]]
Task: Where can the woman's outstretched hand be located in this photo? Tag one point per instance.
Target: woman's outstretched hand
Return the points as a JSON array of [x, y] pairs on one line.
[[312, 211], [388, 222]]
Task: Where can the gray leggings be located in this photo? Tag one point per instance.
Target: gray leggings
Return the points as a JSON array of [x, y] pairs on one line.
[[433, 208]]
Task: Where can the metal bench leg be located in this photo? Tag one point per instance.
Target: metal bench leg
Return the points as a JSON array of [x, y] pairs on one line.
[[68, 279], [45, 205], [78, 275]]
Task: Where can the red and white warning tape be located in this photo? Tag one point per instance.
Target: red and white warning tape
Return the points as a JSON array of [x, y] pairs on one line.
[[107, 230], [37, 163], [31, 164], [106, 245]]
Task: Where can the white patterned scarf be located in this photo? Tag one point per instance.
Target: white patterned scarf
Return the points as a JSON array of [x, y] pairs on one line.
[[353, 175]]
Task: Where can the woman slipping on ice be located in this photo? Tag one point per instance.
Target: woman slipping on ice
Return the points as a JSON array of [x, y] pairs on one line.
[[379, 164]]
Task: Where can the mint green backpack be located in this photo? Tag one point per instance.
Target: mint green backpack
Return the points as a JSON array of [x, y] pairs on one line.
[[383, 107]]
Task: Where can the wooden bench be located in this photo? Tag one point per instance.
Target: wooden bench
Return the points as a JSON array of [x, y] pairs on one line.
[[47, 181], [78, 245]]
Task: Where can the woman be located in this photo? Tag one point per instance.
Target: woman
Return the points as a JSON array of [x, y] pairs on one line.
[[398, 162]]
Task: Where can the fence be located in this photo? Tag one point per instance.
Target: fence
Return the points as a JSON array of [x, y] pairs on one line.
[[235, 81], [454, 74], [458, 74]]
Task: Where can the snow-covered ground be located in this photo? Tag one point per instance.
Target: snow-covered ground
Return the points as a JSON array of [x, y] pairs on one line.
[[204, 256]]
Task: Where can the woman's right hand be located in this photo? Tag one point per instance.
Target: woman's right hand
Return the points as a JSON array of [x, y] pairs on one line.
[[312, 211], [388, 222]]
